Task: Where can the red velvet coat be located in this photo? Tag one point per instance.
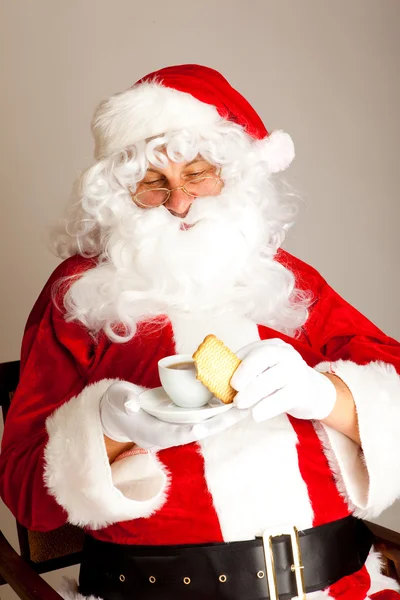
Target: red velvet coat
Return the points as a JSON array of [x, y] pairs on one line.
[[54, 468]]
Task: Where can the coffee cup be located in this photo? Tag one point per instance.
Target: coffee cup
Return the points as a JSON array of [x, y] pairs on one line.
[[178, 378]]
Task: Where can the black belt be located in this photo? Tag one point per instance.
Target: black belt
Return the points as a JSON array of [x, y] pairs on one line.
[[228, 571]]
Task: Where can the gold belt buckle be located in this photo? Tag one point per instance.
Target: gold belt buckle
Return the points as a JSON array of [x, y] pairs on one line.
[[297, 566]]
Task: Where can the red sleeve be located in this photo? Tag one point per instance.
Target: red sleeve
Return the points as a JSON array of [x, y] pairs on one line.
[[368, 361], [334, 327], [55, 359]]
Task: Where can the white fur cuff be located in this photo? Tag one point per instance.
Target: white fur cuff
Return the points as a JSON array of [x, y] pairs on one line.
[[78, 473], [370, 477]]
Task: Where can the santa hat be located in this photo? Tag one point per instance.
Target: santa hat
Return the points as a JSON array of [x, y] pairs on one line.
[[182, 97]]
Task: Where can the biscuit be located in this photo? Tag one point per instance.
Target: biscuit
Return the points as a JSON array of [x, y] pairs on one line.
[[215, 365]]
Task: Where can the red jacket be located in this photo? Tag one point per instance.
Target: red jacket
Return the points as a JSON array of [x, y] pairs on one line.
[[54, 467]]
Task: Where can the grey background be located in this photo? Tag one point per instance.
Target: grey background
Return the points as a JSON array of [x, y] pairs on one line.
[[327, 72]]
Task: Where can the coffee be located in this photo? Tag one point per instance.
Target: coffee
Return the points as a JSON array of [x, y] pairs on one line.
[[178, 376], [183, 366]]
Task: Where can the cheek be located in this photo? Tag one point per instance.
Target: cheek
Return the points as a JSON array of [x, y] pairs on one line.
[[218, 189]]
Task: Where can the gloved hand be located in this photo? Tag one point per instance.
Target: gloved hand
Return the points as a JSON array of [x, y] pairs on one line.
[[124, 421], [273, 379]]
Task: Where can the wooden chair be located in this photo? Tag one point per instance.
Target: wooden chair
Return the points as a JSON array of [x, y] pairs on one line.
[[43, 552]]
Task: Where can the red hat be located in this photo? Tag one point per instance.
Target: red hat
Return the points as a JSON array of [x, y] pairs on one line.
[[182, 97]]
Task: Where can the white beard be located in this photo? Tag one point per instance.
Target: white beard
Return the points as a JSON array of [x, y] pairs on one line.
[[224, 263], [198, 267]]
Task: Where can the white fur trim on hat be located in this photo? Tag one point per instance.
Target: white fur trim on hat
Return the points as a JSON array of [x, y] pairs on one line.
[[78, 473], [146, 110], [149, 109]]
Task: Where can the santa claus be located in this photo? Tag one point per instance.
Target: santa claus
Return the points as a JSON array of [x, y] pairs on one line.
[[175, 233]]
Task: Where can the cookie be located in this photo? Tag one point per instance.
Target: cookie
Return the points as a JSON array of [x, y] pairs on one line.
[[215, 365]]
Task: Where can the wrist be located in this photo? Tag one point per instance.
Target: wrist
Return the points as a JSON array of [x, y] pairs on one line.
[[114, 448], [343, 417], [328, 393]]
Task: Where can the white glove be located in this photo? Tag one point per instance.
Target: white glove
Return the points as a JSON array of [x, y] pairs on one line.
[[124, 421], [273, 379]]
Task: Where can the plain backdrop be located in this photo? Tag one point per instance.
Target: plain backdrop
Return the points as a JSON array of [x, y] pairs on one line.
[[327, 72]]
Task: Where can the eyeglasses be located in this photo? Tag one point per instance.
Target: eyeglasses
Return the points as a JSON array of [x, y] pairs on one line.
[[202, 185]]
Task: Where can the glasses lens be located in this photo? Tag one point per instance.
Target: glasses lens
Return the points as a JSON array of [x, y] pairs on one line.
[[152, 198], [201, 187]]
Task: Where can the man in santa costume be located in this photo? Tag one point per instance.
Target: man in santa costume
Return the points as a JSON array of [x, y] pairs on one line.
[[175, 233]]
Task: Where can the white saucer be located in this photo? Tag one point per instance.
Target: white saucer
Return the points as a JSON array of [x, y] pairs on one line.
[[158, 404]]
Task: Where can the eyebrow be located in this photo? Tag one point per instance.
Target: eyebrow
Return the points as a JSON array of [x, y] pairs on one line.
[[197, 159]]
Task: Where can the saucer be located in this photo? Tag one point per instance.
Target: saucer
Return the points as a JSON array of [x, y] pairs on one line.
[[158, 404]]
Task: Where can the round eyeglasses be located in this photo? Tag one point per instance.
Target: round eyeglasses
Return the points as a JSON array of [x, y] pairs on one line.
[[197, 186]]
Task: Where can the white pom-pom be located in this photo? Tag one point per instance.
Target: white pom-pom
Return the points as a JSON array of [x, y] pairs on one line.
[[277, 150]]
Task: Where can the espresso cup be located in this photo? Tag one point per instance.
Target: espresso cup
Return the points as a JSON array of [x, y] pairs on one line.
[[178, 378]]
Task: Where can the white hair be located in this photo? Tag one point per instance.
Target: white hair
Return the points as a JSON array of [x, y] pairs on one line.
[[147, 265]]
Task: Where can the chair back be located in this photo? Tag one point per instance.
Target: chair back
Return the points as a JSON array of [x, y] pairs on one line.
[[49, 550], [9, 377]]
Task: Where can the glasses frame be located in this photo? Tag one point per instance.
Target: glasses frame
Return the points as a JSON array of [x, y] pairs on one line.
[[169, 191]]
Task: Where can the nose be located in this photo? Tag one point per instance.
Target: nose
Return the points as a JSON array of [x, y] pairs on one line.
[[179, 203]]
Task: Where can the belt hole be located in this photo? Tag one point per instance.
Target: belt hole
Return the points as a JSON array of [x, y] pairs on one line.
[[186, 580], [152, 579], [222, 578], [122, 578], [260, 574]]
